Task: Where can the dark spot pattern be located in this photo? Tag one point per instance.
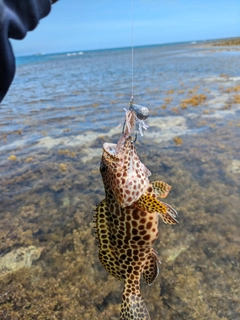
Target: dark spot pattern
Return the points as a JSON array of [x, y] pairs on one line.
[[126, 223]]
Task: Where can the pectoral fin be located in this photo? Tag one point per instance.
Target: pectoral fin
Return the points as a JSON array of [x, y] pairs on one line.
[[151, 204], [161, 188]]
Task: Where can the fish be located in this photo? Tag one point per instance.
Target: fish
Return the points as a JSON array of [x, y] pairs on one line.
[[126, 220]]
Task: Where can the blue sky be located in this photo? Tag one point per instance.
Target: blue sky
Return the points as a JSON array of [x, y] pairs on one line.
[[78, 25]]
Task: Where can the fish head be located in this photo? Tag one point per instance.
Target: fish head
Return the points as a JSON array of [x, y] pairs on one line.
[[124, 175]]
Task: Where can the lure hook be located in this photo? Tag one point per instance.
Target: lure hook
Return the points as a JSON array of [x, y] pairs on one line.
[[141, 114]]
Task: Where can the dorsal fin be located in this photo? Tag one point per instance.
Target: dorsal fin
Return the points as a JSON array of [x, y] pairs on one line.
[[103, 234]]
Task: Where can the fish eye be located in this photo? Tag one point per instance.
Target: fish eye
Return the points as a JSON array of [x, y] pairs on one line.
[[103, 168]]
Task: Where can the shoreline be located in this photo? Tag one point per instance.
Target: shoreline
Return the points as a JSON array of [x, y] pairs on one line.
[[221, 45], [229, 42]]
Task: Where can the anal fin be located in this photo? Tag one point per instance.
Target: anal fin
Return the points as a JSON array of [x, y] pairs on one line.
[[151, 269]]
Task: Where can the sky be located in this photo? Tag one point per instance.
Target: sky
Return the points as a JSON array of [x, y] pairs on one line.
[[78, 25]]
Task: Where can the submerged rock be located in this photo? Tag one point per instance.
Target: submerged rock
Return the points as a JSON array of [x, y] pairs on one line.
[[234, 167], [19, 258]]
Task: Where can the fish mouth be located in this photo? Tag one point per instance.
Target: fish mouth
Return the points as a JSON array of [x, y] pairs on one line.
[[109, 154], [110, 148], [115, 155]]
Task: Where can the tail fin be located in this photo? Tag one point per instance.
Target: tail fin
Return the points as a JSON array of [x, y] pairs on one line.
[[133, 307]]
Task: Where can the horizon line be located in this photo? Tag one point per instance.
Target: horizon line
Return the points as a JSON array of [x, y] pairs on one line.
[[128, 47]]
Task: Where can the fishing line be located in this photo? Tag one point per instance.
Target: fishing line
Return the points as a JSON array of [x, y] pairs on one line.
[[132, 43], [141, 112]]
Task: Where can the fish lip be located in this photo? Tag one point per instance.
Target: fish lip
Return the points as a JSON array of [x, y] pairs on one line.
[[107, 148]]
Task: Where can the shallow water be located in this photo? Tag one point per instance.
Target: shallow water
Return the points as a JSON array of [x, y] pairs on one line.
[[54, 120]]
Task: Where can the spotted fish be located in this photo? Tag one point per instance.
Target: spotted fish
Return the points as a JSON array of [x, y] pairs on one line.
[[126, 221]]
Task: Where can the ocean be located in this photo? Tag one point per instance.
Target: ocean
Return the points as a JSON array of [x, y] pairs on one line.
[[59, 111]]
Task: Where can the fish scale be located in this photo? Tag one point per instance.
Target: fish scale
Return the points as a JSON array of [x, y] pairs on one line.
[[126, 221]]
